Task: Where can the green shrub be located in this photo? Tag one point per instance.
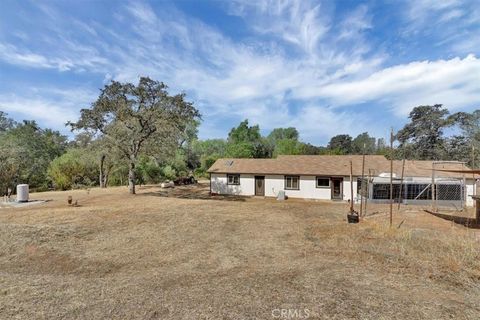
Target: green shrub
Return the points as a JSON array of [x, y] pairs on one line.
[[73, 169]]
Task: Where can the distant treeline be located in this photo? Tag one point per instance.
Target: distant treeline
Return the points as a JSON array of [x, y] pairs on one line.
[[122, 140]]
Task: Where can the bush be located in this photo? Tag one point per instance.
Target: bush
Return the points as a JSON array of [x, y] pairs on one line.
[[169, 173], [73, 169]]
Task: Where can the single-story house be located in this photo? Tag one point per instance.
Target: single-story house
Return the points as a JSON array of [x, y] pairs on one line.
[[327, 177]]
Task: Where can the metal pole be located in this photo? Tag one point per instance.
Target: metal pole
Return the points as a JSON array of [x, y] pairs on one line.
[[434, 207], [368, 193], [351, 187], [391, 177], [401, 183], [474, 180], [464, 202], [363, 182]]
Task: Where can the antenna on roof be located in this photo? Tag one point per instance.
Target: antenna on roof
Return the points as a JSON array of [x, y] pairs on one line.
[[229, 163]]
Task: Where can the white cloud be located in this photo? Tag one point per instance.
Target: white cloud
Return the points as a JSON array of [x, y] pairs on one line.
[[51, 107], [10, 54], [302, 23], [46, 112], [420, 10], [453, 24], [455, 83], [333, 65]]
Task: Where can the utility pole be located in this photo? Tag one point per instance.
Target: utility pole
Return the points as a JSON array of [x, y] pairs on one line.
[[391, 178]]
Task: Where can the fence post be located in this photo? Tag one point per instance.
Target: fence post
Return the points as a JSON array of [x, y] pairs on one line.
[[432, 189]]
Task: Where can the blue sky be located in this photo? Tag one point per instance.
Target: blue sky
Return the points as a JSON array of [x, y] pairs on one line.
[[325, 67]]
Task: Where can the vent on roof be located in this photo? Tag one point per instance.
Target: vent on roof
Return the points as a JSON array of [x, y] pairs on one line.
[[387, 175], [228, 163]]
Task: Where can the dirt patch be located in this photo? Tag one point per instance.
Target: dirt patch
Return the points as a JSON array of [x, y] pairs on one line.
[[178, 254]]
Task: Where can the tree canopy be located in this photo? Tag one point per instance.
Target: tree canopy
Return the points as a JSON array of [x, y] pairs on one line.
[[423, 135], [139, 119]]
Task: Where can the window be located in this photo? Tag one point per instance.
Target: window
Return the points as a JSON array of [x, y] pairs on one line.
[[292, 183], [382, 191], [233, 179], [419, 192], [449, 192], [323, 182]]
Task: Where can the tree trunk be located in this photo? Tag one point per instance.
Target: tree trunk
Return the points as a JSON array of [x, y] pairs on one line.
[[105, 177], [102, 175], [131, 178]]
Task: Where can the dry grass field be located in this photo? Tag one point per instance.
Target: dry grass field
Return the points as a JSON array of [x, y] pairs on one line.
[[179, 254]]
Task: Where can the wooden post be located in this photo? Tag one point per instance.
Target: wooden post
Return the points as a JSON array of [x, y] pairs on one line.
[[474, 180], [391, 178], [401, 183], [432, 189], [368, 192], [476, 199], [465, 195], [477, 210], [351, 187], [363, 182]]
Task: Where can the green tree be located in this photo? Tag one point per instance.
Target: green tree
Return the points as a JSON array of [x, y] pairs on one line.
[[244, 133], [342, 144], [75, 168], [5, 122], [283, 141], [288, 147], [241, 150], [33, 148], [459, 149], [469, 125], [310, 149], [139, 119], [424, 132], [246, 141], [381, 147], [284, 133], [10, 163], [364, 140], [207, 151]]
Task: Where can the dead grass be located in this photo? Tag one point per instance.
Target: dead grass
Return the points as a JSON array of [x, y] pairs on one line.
[[180, 255]]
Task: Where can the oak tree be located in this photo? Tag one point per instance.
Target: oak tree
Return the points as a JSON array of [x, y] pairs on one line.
[[138, 119]]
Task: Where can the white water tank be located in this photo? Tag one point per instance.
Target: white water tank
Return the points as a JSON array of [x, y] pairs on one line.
[[22, 193]]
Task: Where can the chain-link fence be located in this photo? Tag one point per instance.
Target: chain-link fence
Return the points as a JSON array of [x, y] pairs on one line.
[[436, 191]]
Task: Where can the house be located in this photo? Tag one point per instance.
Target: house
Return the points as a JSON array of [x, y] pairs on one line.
[[327, 177]]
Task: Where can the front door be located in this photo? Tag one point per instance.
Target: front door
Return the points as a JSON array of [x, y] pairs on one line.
[[259, 185], [337, 192]]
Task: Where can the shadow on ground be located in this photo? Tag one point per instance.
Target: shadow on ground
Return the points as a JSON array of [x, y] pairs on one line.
[[197, 191], [465, 221]]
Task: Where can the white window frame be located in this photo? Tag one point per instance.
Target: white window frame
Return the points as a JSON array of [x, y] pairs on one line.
[[289, 181], [235, 179], [323, 178]]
